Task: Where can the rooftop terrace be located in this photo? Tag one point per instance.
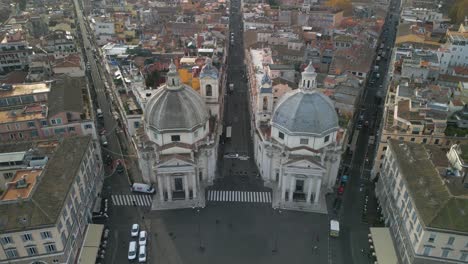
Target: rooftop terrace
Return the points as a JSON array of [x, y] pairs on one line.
[[21, 185], [24, 89]]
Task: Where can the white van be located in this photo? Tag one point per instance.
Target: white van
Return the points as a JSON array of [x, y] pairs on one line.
[[132, 250], [142, 187], [142, 254], [99, 113]]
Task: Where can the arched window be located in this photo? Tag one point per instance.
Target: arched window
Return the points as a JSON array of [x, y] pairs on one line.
[[173, 81], [209, 90], [265, 103], [308, 83]]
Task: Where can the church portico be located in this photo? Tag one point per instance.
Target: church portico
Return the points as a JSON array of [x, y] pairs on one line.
[[177, 190]]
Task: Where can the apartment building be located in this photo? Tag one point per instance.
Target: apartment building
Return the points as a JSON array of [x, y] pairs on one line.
[[48, 198], [44, 110], [14, 51], [415, 113], [423, 198]]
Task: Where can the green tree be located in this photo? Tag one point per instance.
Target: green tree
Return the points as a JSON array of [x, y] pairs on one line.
[[152, 79]]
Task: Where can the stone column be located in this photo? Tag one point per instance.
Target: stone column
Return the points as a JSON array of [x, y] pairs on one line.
[[169, 189], [186, 187], [310, 182], [194, 186], [160, 187], [292, 184], [283, 187], [318, 182]]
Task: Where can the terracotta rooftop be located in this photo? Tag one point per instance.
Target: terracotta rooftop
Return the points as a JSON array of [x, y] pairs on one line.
[[21, 185]]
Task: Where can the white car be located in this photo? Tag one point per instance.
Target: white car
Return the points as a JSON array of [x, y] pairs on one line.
[[132, 250], [142, 254], [142, 239], [135, 230]]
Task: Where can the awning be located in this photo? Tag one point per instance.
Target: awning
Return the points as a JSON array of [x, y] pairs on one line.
[[90, 247], [383, 245]]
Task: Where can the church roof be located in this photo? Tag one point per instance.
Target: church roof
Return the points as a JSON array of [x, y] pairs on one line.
[[175, 106], [305, 113]]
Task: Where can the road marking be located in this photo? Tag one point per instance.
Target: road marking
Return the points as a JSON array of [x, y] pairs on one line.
[[127, 200], [239, 196]]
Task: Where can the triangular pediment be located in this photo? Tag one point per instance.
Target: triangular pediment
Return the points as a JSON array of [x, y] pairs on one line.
[[306, 163], [175, 162]]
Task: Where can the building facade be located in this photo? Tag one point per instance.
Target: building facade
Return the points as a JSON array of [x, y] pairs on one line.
[[178, 147], [297, 145], [423, 199], [48, 199]]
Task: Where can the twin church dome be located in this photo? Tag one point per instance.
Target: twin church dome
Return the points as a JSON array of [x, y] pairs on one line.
[[305, 111]]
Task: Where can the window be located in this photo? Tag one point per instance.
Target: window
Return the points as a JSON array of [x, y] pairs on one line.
[[431, 238], [413, 139], [155, 135], [384, 148], [450, 240], [63, 237], [7, 240], [59, 121], [88, 126], [34, 133], [43, 122], [11, 253], [419, 229], [445, 253], [32, 250], [31, 124], [8, 175], [46, 234], [463, 256], [280, 135], [436, 142], [136, 124], [27, 237], [427, 251], [53, 121], [196, 133], [175, 138], [209, 90], [424, 140], [304, 141], [327, 137], [50, 247], [71, 129]]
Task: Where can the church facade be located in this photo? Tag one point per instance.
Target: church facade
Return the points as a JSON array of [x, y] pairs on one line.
[[298, 144], [177, 148]]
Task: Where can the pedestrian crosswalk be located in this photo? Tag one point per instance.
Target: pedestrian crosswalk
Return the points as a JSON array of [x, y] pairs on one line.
[[131, 199], [239, 196]]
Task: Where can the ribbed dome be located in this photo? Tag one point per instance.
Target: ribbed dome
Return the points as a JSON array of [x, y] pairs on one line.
[[305, 113], [176, 109]]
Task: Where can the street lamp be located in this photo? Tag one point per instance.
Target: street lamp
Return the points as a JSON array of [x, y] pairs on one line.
[[275, 248], [200, 243]]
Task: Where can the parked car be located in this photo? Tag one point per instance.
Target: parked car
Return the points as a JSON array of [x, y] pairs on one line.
[[132, 250], [135, 230], [142, 254], [142, 239]]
